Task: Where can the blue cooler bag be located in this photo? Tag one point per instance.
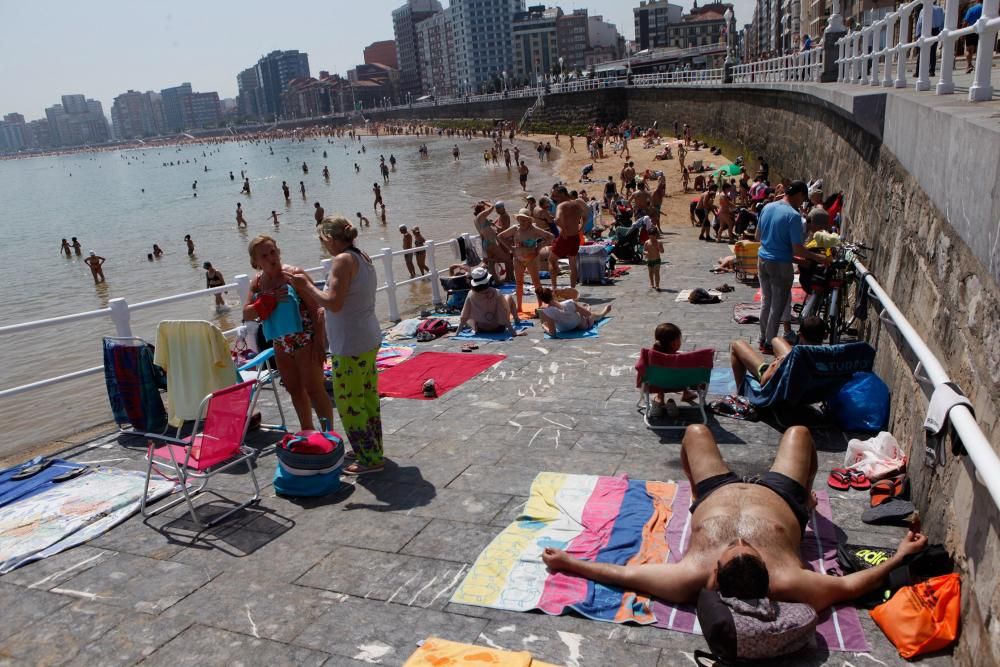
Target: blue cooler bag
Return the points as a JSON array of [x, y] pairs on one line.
[[309, 464]]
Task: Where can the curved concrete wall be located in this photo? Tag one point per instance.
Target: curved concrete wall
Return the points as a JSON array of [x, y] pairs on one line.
[[920, 176]]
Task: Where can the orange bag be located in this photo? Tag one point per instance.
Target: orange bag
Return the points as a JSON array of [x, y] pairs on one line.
[[922, 618]]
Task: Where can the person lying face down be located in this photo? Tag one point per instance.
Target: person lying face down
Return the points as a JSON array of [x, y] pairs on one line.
[[746, 535]]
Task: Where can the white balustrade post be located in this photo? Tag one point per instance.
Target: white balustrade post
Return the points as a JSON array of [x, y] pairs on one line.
[[981, 89], [904, 38], [120, 317], [946, 81], [243, 287], [432, 265], [327, 263], [874, 79], [891, 50], [390, 284], [924, 62]]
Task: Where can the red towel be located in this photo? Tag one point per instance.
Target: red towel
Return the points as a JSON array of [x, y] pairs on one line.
[[448, 369], [798, 295]]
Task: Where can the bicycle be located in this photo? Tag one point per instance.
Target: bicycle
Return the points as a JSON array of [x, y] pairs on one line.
[[829, 286]]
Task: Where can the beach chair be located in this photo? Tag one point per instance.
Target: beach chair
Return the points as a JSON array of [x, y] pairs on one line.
[[657, 371], [262, 368], [746, 260], [216, 444], [134, 384], [810, 374]]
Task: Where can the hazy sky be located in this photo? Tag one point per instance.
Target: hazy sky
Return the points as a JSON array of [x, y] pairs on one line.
[[102, 49]]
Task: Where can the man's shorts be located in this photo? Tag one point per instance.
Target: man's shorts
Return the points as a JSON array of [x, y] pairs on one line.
[[702, 216], [566, 246], [793, 493]]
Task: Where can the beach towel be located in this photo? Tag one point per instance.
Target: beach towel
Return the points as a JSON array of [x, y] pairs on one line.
[[746, 313], [622, 521], [447, 369], [134, 385], [798, 295], [437, 652], [392, 355], [56, 516], [468, 336], [685, 293], [722, 382], [592, 332], [196, 357]]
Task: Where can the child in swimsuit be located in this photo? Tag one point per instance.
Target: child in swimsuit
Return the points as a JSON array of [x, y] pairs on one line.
[[653, 248], [524, 241]]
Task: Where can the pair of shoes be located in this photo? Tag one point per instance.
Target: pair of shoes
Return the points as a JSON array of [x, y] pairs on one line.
[[656, 410], [356, 469], [430, 389], [469, 347], [843, 479]]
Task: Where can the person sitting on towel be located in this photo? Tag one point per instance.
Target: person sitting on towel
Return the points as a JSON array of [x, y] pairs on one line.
[[486, 310], [746, 359], [746, 535]]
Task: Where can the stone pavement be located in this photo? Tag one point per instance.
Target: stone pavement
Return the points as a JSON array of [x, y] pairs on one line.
[[362, 576]]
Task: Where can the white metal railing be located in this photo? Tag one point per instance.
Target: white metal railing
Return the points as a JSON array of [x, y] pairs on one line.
[[801, 66], [119, 310], [931, 374], [876, 55]]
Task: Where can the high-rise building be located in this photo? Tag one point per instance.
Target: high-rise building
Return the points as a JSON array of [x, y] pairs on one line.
[[404, 26], [173, 114], [704, 26], [135, 115], [14, 134], [606, 43], [536, 50], [573, 39], [201, 110], [248, 86], [274, 72], [651, 20], [436, 53], [484, 41], [382, 53], [83, 122]]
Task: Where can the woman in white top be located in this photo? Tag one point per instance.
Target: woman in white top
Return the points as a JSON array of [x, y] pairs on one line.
[[564, 316], [354, 336]]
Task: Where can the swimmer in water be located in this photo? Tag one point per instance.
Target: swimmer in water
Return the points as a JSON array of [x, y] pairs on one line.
[[190, 244], [95, 262], [363, 221], [65, 246], [240, 220], [274, 217], [157, 251], [77, 248]]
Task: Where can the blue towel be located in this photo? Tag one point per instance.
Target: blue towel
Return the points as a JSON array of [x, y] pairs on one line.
[[468, 336], [722, 383], [810, 374], [13, 490], [589, 333]]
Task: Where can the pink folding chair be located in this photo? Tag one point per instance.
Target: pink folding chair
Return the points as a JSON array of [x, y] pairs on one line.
[[657, 371], [224, 417]]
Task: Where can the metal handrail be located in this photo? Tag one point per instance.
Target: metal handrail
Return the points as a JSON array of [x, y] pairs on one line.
[[985, 460]]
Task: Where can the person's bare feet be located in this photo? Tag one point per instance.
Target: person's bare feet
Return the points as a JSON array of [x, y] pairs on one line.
[[812, 501], [603, 312], [556, 559]]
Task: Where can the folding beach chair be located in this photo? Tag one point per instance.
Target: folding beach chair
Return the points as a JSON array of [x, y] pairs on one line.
[[657, 371], [746, 260], [263, 369], [810, 374], [218, 445], [134, 384]]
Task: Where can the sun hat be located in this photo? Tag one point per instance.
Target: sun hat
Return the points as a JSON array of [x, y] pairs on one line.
[[480, 276], [524, 215]]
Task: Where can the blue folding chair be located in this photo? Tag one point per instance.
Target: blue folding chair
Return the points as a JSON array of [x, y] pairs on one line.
[[810, 374]]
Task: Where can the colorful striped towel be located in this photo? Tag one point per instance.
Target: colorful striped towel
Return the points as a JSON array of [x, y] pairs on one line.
[[618, 520]]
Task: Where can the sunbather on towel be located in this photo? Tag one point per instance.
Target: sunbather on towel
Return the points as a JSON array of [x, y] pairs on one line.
[[744, 358], [567, 315], [746, 535]]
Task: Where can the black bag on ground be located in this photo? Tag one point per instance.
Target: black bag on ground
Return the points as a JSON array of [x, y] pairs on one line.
[[748, 630], [455, 283]]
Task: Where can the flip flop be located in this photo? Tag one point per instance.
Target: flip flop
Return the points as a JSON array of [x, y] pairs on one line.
[[839, 479], [72, 473], [886, 489], [31, 471], [892, 512], [859, 481], [356, 469]]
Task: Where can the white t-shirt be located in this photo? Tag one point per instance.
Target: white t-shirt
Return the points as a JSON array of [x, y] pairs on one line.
[[565, 316]]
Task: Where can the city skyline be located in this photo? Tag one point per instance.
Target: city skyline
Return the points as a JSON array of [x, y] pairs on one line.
[[148, 48]]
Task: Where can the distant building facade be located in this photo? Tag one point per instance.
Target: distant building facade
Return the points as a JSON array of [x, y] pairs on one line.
[[248, 87], [606, 43], [573, 40], [436, 55], [652, 20], [77, 121], [536, 48], [274, 71], [14, 134], [484, 41], [135, 115], [201, 110], [173, 112], [404, 27], [704, 26], [382, 53]]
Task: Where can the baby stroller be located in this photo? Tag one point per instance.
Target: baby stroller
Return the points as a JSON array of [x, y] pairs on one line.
[[628, 246], [623, 213]]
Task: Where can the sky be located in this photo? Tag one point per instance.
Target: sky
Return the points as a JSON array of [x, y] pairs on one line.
[[102, 49]]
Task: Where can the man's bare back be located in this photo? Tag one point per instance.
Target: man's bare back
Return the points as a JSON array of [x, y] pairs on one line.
[[569, 216]]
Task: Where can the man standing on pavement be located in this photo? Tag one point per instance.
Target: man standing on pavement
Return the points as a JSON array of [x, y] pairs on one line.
[[570, 214], [937, 23], [780, 234]]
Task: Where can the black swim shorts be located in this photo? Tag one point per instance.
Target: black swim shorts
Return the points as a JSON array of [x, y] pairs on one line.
[[793, 493]]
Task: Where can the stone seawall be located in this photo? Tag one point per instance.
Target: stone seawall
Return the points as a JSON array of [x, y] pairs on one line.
[[941, 273]]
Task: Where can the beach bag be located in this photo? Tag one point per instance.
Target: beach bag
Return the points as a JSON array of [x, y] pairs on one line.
[[591, 263], [431, 328], [922, 618], [877, 457], [862, 404], [309, 464], [453, 283], [739, 630]]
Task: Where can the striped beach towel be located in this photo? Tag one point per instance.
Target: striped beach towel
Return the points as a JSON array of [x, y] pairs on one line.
[[622, 521]]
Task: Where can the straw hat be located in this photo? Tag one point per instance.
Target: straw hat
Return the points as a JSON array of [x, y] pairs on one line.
[[524, 215]]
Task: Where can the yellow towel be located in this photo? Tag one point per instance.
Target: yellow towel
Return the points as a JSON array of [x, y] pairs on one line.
[[437, 652], [196, 357]]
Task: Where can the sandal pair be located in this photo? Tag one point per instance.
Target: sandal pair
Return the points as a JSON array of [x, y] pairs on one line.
[[844, 479], [885, 490]]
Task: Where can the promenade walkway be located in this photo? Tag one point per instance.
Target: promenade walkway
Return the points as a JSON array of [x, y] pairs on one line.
[[362, 576]]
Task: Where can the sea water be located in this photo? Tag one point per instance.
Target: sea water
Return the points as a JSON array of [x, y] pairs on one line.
[[118, 204]]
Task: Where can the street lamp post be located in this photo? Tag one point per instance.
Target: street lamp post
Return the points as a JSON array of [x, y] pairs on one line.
[[727, 72], [560, 70]]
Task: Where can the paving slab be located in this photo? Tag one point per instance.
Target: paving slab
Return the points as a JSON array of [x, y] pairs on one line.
[[451, 540], [200, 645], [62, 634]]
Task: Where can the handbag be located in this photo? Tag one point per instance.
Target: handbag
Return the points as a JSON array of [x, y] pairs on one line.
[[922, 618]]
